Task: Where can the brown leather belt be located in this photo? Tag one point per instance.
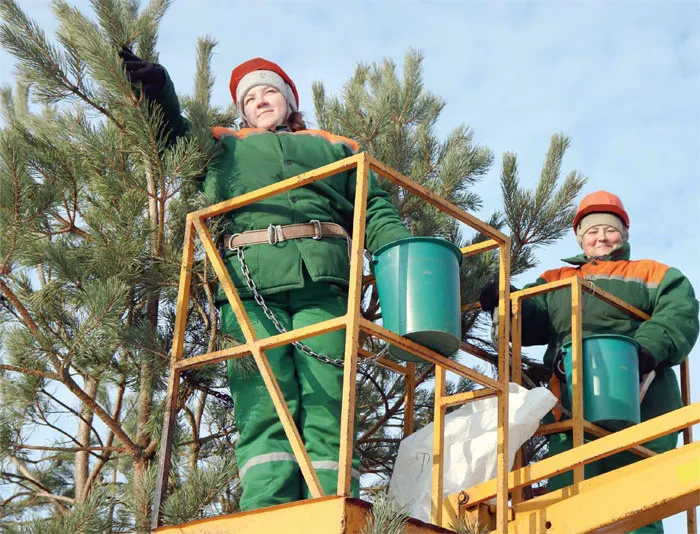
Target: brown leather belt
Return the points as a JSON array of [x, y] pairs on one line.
[[278, 233]]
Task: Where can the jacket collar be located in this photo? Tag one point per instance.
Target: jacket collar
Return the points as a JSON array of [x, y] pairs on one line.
[[619, 254]]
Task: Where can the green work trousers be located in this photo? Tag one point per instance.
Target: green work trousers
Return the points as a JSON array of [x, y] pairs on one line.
[[269, 472], [563, 442]]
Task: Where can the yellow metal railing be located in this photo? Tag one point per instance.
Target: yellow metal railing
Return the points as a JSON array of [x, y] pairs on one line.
[[442, 510], [610, 443], [353, 323]]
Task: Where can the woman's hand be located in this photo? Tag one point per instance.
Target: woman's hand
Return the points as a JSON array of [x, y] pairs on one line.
[[647, 363], [151, 75]]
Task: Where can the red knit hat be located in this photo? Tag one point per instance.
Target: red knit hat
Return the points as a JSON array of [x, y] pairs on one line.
[[259, 71]]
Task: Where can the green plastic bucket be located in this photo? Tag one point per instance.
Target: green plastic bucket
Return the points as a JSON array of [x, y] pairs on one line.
[[418, 286], [610, 380]]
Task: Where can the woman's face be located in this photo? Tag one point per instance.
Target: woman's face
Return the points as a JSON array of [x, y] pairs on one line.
[[265, 107], [601, 240]]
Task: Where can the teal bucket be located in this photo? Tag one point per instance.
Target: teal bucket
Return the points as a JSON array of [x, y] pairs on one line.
[[610, 380], [418, 286]]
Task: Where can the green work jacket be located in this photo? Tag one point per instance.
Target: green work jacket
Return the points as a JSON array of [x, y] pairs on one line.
[[657, 289], [252, 158]]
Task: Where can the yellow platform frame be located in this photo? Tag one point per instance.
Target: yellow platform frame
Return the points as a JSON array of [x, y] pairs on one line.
[[667, 495], [329, 515], [353, 323], [530, 516]]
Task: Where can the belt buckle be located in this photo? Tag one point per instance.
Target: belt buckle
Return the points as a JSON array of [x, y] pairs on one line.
[[274, 234], [318, 230], [229, 242]]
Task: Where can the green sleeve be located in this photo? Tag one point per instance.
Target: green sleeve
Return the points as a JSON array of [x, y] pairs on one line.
[[672, 330], [384, 223], [535, 317], [175, 124]]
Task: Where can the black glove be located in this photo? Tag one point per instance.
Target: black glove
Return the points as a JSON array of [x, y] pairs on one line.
[[151, 75], [489, 296], [558, 366], [647, 363]]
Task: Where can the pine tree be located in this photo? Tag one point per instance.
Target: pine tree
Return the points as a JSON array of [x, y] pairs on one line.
[[92, 205]]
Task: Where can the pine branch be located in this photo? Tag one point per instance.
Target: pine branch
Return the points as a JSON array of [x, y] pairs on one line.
[[388, 414], [43, 63], [26, 475], [386, 517], [74, 412], [108, 449], [30, 372], [111, 423], [105, 448]]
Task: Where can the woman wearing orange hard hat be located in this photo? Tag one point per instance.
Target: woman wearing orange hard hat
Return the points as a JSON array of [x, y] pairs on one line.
[[601, 227]]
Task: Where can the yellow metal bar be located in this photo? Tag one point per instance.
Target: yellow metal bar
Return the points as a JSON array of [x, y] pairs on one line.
[[438, 447], [618, 501], [599, 432], [590, 428], [383, 362], [516, 372], [592, 451], [352, 331], [541, 289], [590, 287], [554, 428], [440, 203], [213, 357], [468, 396], [504, 380], [327, 515], [183, 297], [266, 373], [409, 399], [577, 368], [478, 248], [691, 519], [298, 334], [183, 292], [265, 344], [427, 354], [476, 351], [280, 187]]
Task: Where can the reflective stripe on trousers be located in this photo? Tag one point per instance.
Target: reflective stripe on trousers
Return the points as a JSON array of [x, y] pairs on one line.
[[330, 465]]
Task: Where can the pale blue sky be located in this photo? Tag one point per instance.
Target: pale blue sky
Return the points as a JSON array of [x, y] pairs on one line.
[[621, 78]]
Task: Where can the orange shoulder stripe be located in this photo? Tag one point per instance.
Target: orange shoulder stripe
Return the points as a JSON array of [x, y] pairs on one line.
[[331, 138], [647, 272], [560, 274], [221, 131]]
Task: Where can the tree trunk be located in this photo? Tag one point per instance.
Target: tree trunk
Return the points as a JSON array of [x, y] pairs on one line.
[[82, 458], [145, 399]]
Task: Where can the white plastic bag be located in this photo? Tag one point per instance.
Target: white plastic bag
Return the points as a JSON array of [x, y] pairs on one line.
[[470, 447]]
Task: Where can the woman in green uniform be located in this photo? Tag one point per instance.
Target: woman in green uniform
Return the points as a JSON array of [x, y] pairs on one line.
[[295, 248], [601, 226]]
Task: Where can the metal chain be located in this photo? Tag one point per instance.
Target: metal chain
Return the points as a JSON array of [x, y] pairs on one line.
[[375, 358], [268, 313]]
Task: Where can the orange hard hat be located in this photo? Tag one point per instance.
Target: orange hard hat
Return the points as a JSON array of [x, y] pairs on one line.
[[601, 202]]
